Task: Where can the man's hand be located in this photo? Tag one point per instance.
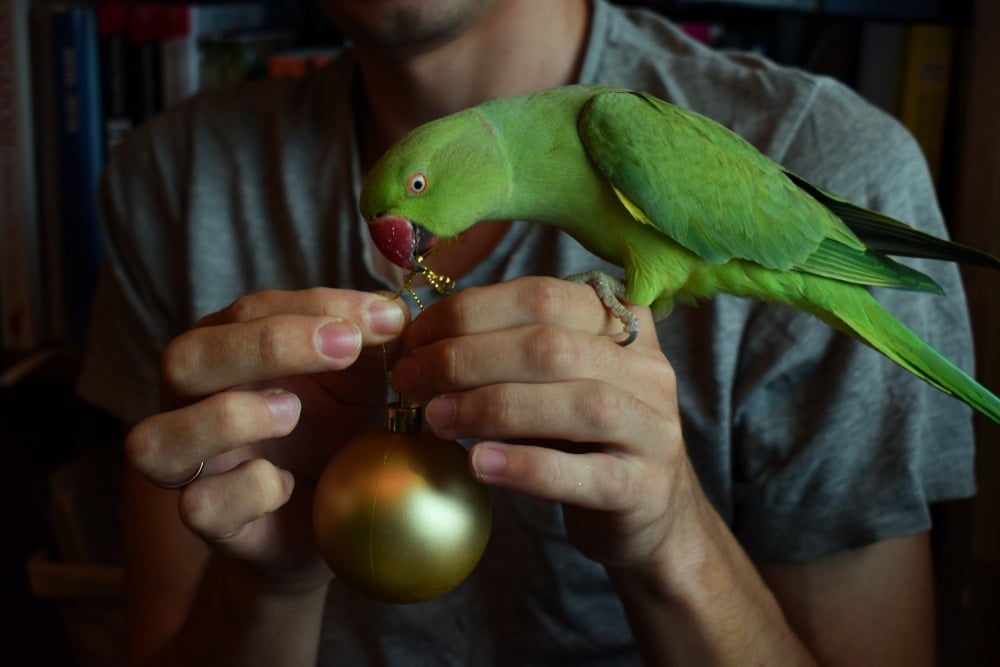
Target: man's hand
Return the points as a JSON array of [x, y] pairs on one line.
[[534, 361], [264, 392]]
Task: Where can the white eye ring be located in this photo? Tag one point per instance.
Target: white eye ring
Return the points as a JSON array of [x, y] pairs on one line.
[[417, 183]]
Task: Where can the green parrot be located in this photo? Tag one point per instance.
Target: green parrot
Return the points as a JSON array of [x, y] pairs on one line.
[[688, 208]]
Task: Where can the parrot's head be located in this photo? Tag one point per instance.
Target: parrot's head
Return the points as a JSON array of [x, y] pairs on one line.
[[437, 181]]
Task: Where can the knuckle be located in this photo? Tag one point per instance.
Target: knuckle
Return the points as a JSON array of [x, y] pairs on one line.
[[265, 484], [231, 417], [257, 472], [553, 352], [615, 488], [199, 510], [446, 364], [599, 408], [176, 363], [463, 309], [141, 447], [673, 439], [246, 307], [668, 375], [271, 345], [544, 298], [325, 301], [499, 409], [218, 508], [666, 380], [545, 472], [554, 475]]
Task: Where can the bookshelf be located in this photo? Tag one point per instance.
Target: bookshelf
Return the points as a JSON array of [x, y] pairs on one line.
[[885, 10], [49, 101], [85, 74]]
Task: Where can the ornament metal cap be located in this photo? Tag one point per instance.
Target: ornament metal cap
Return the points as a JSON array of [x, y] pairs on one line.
[[404, 417]]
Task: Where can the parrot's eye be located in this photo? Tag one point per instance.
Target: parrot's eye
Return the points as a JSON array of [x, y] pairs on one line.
[[416, 184]]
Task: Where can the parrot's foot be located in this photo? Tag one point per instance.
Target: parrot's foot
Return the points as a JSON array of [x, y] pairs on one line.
[[611, 291]]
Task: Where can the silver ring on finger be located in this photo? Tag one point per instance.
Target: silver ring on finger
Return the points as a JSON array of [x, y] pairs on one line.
[[181, 485]]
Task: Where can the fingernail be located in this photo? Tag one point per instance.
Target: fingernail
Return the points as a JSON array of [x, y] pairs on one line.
[[405, 375], [284, 406], [440, 413], [338, 339], [386, 316], [488, 461]]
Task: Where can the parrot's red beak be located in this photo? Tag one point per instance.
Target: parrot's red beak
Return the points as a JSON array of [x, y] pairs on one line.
[[398, 239]]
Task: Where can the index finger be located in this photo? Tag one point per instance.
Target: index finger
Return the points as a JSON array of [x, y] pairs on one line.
[[270, 335], [518, 302], [374, 311]]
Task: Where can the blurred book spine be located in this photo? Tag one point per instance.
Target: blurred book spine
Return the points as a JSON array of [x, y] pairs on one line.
[[297, 63], [925, 88], [881, 64], [47, 171], [80, 156], [235, 57], [20, 272], [144, 70], [184, 27], [112, 29]]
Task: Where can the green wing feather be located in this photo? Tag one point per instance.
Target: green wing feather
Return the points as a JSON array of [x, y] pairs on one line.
[[715, 194]]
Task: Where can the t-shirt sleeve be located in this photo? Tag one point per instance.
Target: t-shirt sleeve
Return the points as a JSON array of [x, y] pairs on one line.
[[129, 323]]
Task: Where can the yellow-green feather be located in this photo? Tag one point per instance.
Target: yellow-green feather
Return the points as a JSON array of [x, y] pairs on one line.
[[854, 311]]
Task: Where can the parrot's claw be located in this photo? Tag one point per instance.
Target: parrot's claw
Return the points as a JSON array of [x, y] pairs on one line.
[[611, 291]]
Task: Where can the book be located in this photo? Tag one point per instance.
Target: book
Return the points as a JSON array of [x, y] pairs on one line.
[[924, 89], [897, 9], [113, 56], [178, 55], [880, 64], [184, 26], [47, 173], [239, 56], [20, 273], [143, 65], [80, 156], [298, 62], [797, 5]]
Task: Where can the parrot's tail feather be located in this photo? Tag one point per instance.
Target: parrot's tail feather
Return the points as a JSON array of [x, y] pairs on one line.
[[892, 237], [864, 318]]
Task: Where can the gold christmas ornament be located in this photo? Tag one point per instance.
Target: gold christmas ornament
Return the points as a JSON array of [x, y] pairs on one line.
[[398, 515]]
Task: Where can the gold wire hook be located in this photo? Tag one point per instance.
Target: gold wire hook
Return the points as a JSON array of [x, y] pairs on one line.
[[441, 283]]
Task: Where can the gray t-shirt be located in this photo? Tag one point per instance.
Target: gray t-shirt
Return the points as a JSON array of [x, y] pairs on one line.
[[805, 441]]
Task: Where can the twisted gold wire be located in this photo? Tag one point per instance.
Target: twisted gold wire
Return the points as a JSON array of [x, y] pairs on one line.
[[441, 283]]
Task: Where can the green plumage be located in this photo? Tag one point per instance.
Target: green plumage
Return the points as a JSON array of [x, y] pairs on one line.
[[688, 209]]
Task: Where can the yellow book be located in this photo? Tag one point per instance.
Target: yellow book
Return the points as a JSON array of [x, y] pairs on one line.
[[924, 89]]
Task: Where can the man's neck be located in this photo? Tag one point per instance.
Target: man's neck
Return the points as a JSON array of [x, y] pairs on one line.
[[519, 47]]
